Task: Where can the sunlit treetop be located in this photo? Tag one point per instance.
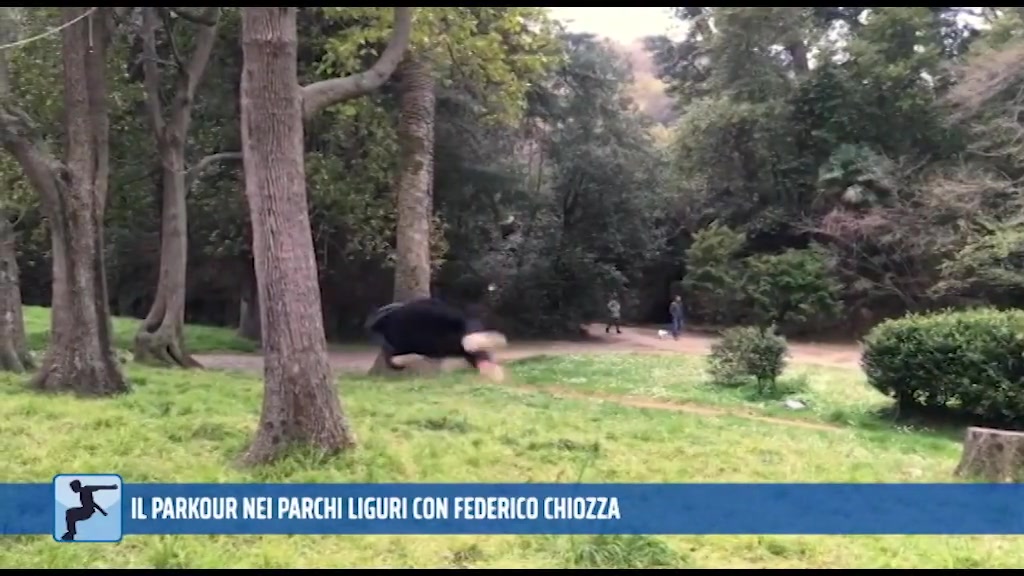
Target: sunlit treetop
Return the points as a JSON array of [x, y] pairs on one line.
[[494, 54]]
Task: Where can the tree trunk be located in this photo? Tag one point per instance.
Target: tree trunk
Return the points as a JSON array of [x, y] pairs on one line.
[[161, 336], [415, 179], [414, 186], [14, 354], [80, 357], [795, 43], [300, 402], [249, 307], [992, 455]]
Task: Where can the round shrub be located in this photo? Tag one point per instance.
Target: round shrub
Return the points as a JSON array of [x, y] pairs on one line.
[[748, 353], [970, 362]]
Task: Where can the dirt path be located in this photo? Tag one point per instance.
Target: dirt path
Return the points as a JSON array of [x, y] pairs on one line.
[[836, 355], [631, 340], [687, 408]]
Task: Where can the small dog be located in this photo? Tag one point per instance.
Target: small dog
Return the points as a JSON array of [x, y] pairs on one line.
[[662, 334]]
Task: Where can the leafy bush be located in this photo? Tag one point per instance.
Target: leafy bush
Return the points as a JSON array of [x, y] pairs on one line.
[[713, 271], [970, 362], [748, 353], [794, 290]]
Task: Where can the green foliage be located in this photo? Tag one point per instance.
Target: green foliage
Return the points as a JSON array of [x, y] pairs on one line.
[[969, 362], [634, 551], [992, 263], [861, 176], [494, 53], [775, 149], [593, 213], [713, 271], [855, 152], [794, 289], [1006, 28], [746, 353]]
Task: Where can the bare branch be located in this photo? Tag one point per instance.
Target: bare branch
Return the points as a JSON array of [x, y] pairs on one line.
[[18, 134], [195, 172], [986, 76], [207, 18], [320, 95], [151, 72], [165, 15], [190, 75]]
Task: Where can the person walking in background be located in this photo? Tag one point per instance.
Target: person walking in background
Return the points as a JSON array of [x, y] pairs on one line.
[[675, 309], [614, 315]]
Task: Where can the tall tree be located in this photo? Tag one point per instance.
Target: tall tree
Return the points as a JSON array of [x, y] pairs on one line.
[[415, 180], [467, 51], [73, 196], [300, 404], [160, 337], [413, 187], [14, 354]]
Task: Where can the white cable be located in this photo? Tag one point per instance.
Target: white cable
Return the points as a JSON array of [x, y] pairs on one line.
[[48, 32]]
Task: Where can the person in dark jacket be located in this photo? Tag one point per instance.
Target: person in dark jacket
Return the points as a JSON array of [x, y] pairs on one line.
[[675, 310], [429, 328]]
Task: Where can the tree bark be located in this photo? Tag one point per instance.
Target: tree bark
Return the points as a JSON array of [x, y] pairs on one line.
[[300, 403], [415, 179], [161, 336], [14, 354], [249, 307], [80, 357], [413, 190], [992, 455]]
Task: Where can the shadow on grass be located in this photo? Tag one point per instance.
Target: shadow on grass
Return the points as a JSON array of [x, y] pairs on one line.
[[946, 423]]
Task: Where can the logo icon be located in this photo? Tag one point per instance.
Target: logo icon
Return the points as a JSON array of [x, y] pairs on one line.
[[87, 508]]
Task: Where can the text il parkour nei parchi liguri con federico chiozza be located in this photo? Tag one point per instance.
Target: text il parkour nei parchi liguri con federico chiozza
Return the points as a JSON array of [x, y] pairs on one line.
[[375, 508]]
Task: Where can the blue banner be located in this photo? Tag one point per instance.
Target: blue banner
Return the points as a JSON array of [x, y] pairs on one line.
[[101, 508]]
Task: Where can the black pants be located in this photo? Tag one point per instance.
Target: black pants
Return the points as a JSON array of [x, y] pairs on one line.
[[613, 322]]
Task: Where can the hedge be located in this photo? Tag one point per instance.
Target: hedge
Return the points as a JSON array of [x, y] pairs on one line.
[[969, 362]]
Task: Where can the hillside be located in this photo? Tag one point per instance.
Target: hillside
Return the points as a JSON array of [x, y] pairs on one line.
[[648, 91]]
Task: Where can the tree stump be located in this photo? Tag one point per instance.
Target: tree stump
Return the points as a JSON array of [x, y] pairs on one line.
[[994, 455]]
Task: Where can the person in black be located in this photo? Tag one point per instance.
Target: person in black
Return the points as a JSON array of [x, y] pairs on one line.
[[426, 327], [675, 309], [75, 515]]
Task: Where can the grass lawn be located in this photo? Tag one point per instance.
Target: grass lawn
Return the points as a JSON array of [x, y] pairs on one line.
[[179, 427], [833, 395], [198, 338]]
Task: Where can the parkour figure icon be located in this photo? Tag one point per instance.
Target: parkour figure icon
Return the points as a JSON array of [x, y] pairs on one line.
[[86, 510]]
